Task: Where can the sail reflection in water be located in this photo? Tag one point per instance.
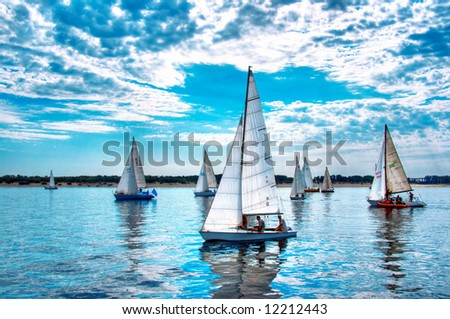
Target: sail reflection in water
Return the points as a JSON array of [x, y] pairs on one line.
[[245, 270], [391, 233], [133, 215]]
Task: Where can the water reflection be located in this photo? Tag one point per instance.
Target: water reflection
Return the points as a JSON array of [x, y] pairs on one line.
[[391, 232], [244, 270], [203, 205], [299, 208], [133, 219]]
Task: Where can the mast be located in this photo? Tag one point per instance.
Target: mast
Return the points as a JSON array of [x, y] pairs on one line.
[[245, 115], [259, 194], [385, 174]]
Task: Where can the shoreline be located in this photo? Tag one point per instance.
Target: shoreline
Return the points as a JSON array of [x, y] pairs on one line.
[[154, 185]]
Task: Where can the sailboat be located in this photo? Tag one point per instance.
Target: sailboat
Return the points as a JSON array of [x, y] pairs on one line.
[[390, 178], [247, 188], [311, 187], [206, 183], [51, 184], [327, 187], [132, 180], [298, 184]]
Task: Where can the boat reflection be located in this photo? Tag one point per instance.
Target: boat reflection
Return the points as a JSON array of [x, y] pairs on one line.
[[245, 270], [203, 205], [133, 219], [391, 232]]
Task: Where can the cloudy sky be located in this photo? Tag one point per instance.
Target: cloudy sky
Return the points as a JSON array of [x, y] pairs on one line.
[[75, 76]]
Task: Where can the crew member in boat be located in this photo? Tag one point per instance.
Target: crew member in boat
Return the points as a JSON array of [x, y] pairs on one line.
[[244, 223], [411, 196], [282, 224], [261, 225]]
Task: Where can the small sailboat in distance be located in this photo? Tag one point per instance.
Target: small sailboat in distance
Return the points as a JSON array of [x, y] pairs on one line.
[[327, 187], [247, 188], [51, 184], [298, 184], [390, 178], [132, 181], [311, 187], [206, 184]]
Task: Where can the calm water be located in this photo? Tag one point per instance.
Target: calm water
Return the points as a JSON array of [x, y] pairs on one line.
[[80, 243]]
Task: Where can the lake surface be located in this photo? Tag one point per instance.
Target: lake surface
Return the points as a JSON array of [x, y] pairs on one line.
[[81, 243]]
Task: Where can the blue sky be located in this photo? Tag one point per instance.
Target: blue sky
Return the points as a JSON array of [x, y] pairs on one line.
[[75, 75]]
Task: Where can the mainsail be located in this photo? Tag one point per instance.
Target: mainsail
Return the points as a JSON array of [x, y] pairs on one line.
[[206, 178], [307, 174], [298, 184], [138, 167], [259, 194], [226, 209], [327, 180], [396, 180], [52, 179], [128, 181]]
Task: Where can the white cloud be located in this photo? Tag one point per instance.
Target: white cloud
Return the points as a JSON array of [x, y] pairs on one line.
[[9, 117], [30, 135], [84, 126]]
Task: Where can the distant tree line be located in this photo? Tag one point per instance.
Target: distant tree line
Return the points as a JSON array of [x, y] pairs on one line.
[[433, 179], [280, 179], [354, 179]]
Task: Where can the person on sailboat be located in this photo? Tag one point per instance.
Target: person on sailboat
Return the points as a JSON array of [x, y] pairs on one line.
[[282, 224], [411, 196], [261, 225], [244, 223]]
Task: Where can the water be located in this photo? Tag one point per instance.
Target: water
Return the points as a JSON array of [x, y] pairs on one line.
[[80, 243]]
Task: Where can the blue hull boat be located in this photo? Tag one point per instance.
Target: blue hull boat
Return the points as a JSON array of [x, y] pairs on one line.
[[205, 194], [137, 196]]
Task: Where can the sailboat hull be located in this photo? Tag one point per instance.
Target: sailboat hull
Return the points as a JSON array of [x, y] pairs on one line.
[[205, 194], [414, 203], [137, 196], [245, 236], [331, 190], [297, 197], [312, 190], [51, 187]]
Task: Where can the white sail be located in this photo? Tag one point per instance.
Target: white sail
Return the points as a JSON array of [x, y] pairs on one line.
[[226, 209], [396, 180], [327, 180], [298, 184], [307, 174], [259, 193], [138, 167], [202, 181], [378, 189], [52, 179], [128, 184]]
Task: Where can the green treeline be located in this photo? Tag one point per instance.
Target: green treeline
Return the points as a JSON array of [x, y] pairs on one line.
[[280, 179]]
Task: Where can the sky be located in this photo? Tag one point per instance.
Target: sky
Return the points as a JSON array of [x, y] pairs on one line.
[[79, 79]]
